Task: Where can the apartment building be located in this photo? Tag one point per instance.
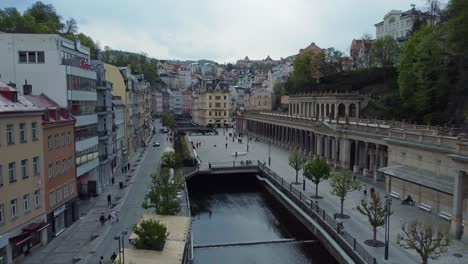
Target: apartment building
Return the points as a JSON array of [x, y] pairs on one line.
[[258, 100], [177, 102], [59, 68], [187, 102], [119, 125], [211, 107], [119, 79], [58, 166], [23, 222], [396, 24]]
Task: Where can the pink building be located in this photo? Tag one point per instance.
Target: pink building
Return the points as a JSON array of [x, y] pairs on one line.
[[187, 102]]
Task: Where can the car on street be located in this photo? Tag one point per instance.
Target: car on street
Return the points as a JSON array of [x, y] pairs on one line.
[[156, 144]]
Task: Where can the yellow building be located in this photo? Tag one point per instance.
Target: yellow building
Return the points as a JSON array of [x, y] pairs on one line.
[[122, 90], [23, 222], [211, 107], [144, 108]]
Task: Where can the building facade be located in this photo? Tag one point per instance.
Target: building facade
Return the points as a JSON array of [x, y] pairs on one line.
[[187, 102], [119, 126], [177, 102], [258, 100], [59, 68], [23, 222], [58, 166], [396, 24], [211, 107]]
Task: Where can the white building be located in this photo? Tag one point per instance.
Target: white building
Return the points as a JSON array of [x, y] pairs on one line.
[[59, 68], [396, 24], [177, 102]]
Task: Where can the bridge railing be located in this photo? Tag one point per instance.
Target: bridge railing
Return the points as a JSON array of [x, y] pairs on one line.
[[342, 237]]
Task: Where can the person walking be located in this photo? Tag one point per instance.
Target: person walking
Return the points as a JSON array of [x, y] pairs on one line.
[[226, 145], [372, 190], [128, 166], [109, 199], [365, 190], [102, 218], [101, 260]]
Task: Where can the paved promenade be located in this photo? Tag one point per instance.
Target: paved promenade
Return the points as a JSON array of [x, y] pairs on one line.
[[213, 149]]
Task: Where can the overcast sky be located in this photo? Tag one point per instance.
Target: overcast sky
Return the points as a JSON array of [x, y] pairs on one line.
[[223, 30]]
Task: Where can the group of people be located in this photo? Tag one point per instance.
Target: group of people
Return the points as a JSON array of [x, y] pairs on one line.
[[112, 217], [125, 168]]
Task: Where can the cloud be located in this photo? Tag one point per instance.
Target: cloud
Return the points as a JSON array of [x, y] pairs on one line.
[[223, 30]]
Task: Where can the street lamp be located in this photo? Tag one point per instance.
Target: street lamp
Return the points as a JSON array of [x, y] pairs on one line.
[[388, 204], [121, 237], [269, 153], [303, 183]]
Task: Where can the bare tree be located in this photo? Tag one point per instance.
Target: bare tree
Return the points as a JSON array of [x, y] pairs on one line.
[[375, 212], [71, 26], [425, 239], [296, 161]]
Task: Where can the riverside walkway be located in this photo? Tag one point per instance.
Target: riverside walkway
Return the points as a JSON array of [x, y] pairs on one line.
[[213, 150]]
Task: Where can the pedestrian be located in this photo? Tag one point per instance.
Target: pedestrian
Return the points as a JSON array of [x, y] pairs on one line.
[[128, 166], [109, 217], [113, 215], [226, 145], [365, 190], [372, 190], [102, 218], [113, 257], [101, 260], [109, 199]]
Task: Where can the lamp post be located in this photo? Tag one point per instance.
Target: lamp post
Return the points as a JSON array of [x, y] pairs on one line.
[[269, 153], [121, 238], [388, 204]]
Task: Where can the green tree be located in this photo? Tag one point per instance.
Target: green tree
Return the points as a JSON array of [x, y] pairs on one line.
[[46, 15], [422, 81], [342, 183], [168, 159], [425, 239], [317, 170], [163, 193], [375, 212], [333, 61], [150, 234], [384, 52], [279, 89], [168, 120], [296, 161]]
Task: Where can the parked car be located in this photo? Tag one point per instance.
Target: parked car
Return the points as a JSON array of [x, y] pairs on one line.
[[156, 144]]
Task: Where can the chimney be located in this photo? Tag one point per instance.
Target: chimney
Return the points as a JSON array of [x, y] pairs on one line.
[[27, 88]]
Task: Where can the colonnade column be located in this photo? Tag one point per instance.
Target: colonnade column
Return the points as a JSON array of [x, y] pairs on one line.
[[460, 186], [334, 152]]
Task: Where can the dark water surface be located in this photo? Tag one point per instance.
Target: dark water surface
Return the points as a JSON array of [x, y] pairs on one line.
[[230, 209]]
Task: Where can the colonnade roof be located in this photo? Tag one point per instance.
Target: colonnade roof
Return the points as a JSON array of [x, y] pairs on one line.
[[421, 177]]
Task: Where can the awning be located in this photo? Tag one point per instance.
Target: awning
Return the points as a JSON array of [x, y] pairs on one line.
[[421, 177], [36, 227], [20, 239]]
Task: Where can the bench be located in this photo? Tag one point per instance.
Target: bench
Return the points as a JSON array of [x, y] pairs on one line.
[[395, 195], [445, 216], [425, 207]]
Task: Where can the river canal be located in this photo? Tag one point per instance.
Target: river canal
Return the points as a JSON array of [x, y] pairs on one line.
[[231, 209]]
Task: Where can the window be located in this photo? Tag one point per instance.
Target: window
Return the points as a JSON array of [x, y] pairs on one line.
[[1, 214], [24, 168], [10, 134], [13, 208], [23, 57], [69, 138], [37, 198], [72, 188], [57, 168], [224, 105], [40, 57], [34, 131], [52, 198], [224, 97], [36, 166], [64, 168], [12, 171], [209, 97], [65, 192], [49, 142], [32, 57], [217, 97], [51, 170], [56, 141], [59, 195], [209, 113], [210, 105], [26, 202], [63, 139], [22, 127]]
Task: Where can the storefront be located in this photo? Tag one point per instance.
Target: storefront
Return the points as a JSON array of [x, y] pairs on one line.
[[31, 235], [3, 248], [61, 218]]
